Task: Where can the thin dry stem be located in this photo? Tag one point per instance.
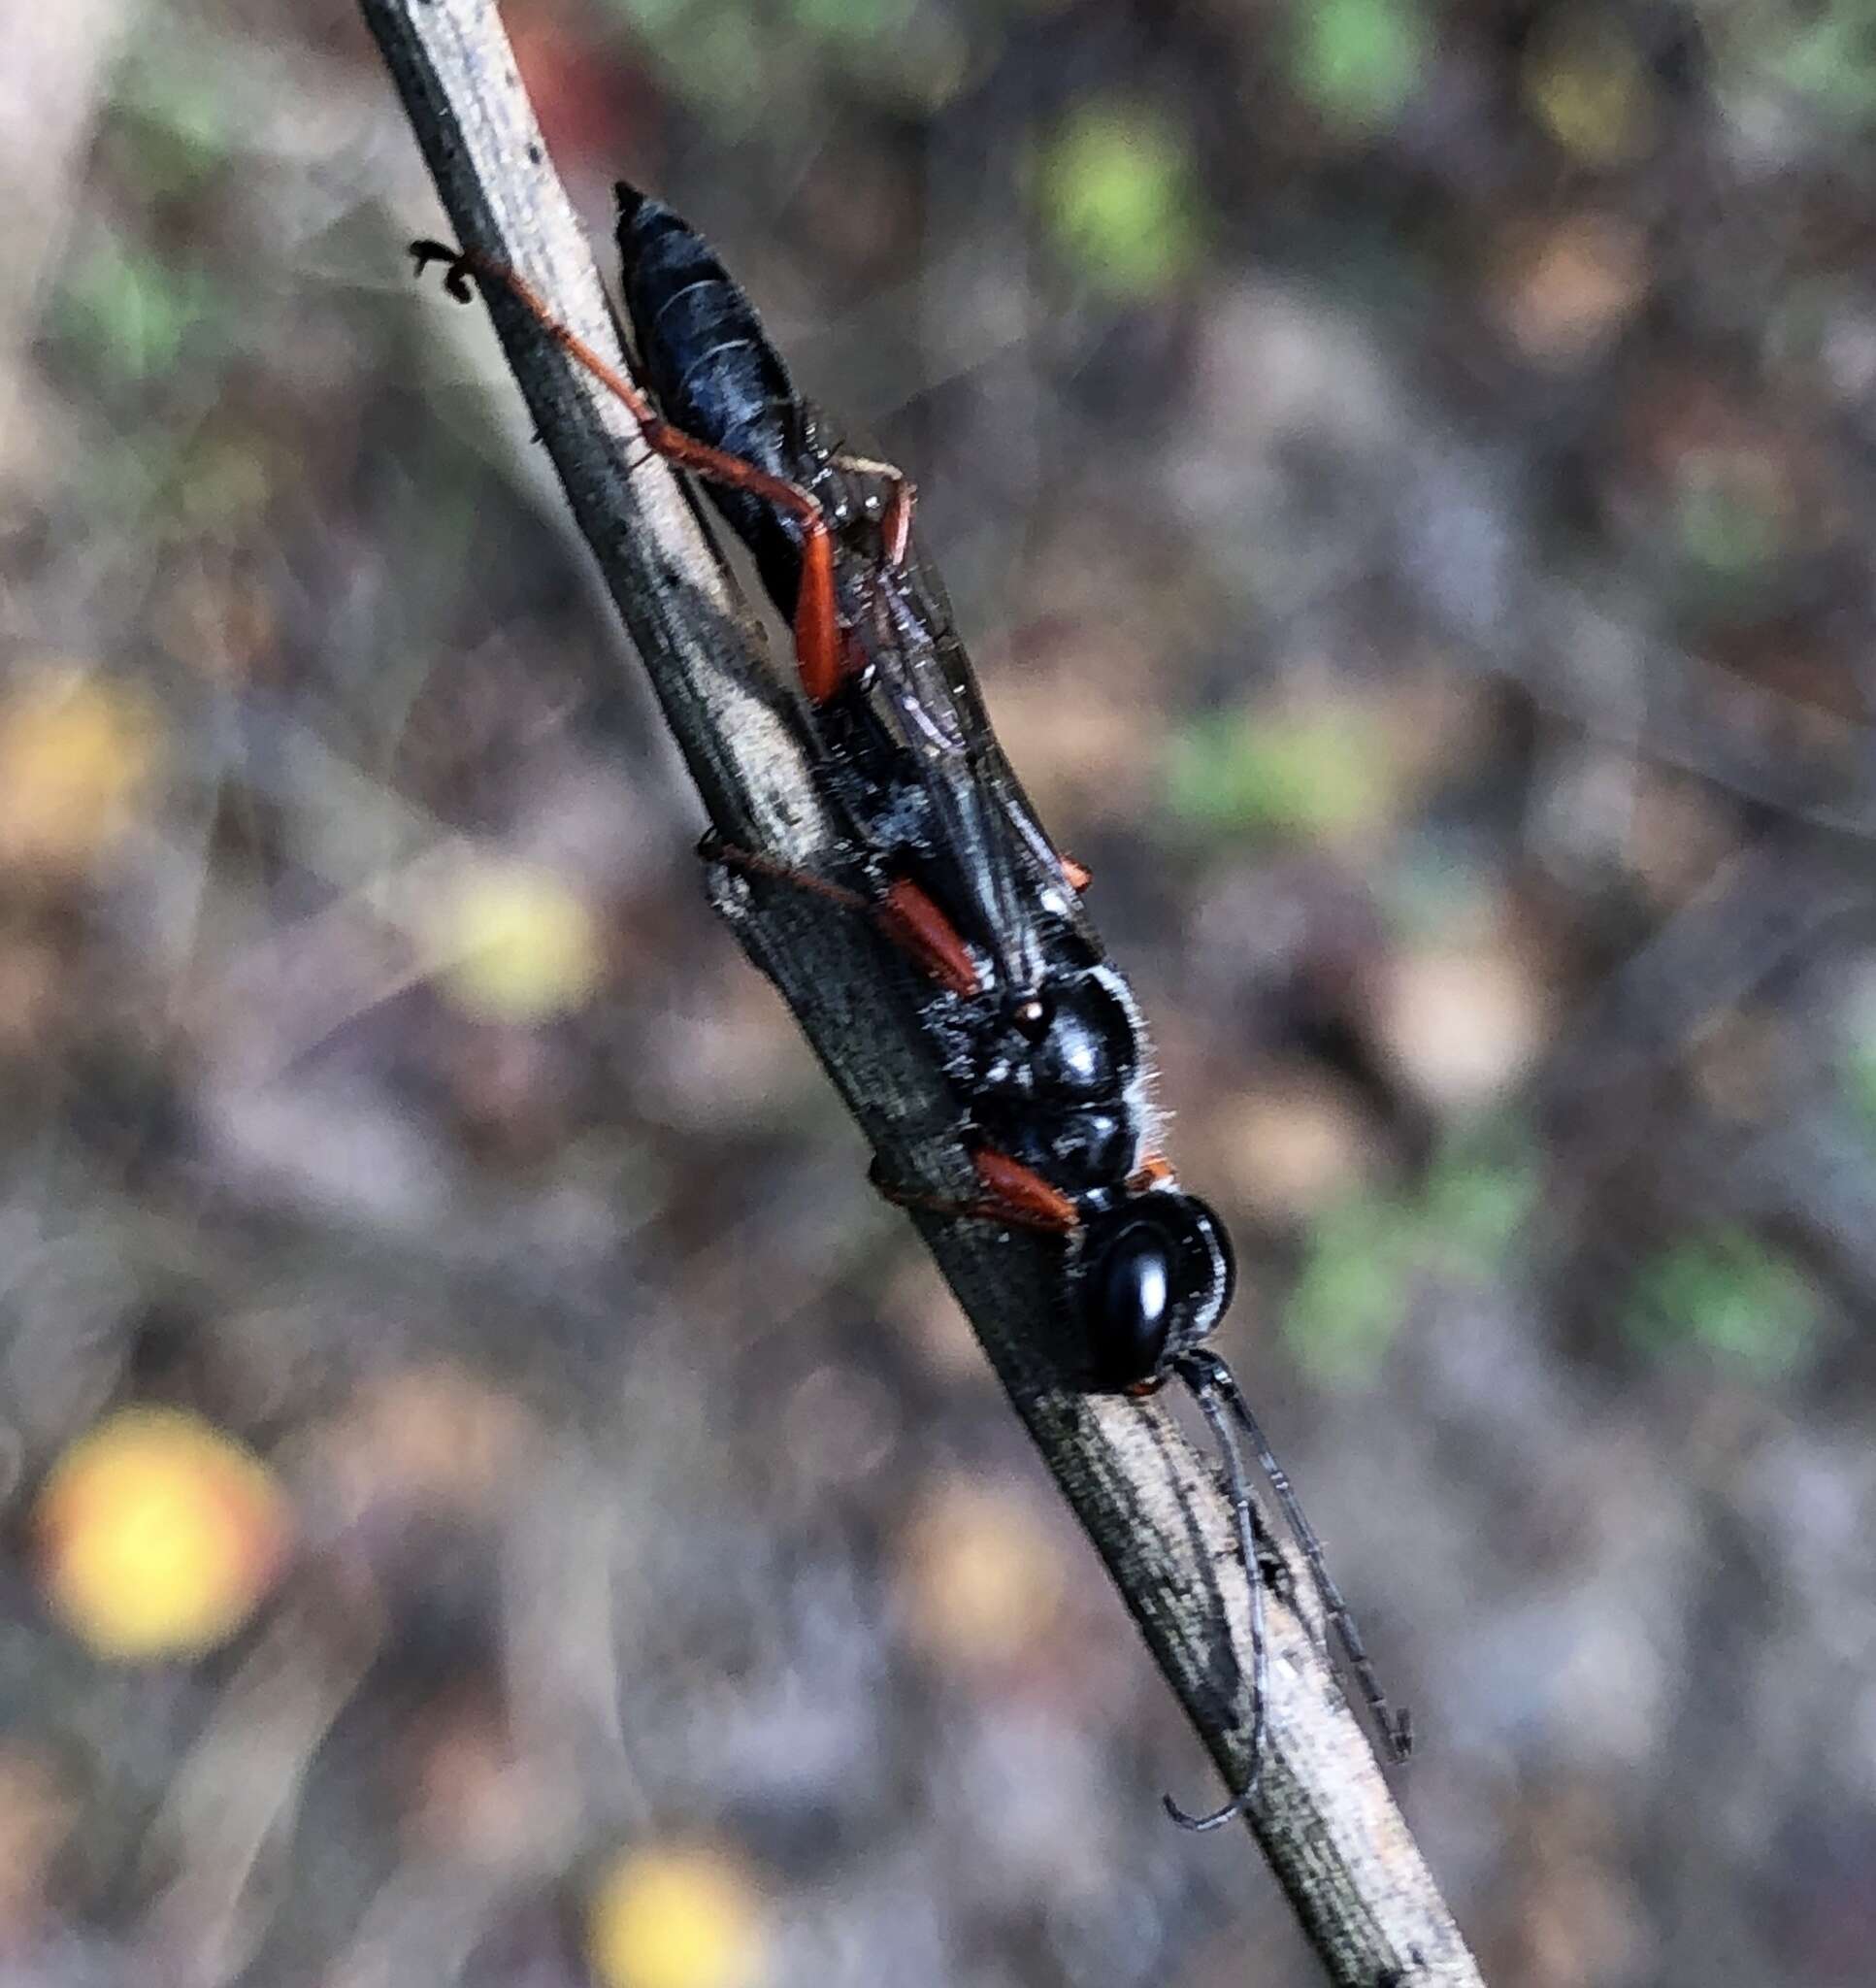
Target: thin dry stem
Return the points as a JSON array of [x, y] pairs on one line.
[[1324, 1816]]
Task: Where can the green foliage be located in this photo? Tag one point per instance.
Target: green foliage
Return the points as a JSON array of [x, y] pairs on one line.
[[1725, 519], [1827, 57], [656, 18], [1313, 776], [1726, 1294], [1358, 61], [175, 120], [1475, 1206], [1364, 1257], [1820, 55], [732, 56], [126, 312], [852, 21], [1119, 199], [1860, 1084], [1731, 1297], [709, 52], [1345, 1307]]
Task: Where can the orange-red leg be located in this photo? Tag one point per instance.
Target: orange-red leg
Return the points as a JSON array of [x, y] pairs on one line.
[[753, 863], [1155, 1170], [1017, 1197], [911, 919], [820, 648], [906, 916], [1015, 1186], [820, 642]]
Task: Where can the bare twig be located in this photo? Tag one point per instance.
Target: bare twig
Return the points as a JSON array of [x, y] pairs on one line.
[[1323, 1815]]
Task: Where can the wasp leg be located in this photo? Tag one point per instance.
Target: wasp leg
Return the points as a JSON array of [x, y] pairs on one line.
[[896, 525], [820, 643], [1015, 1197], [905, 914], [712, 849], [1153, 1171]]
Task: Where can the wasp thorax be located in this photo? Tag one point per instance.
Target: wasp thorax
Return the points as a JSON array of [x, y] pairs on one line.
[[1089, 1047]]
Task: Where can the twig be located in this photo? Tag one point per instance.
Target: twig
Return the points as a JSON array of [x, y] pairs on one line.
[[1324, 1816]]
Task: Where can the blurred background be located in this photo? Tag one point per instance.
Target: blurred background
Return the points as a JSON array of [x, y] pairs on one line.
[[490, 1495]]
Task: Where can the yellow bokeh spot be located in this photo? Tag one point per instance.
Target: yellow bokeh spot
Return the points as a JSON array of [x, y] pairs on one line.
[[985, 1576], [675, 1919], [514, 944], [158, 1536], [1586, 86], [74, 752]]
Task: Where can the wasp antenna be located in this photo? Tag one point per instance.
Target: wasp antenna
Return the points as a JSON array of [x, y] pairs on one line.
[[1205, 1373], [1200, 1825], [1244, 1517]]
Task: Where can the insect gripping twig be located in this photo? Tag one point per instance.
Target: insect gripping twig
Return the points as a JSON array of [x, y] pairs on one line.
[[1323, 1816]]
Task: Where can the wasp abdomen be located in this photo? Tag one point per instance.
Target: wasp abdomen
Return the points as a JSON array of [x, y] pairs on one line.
[[712, 370]]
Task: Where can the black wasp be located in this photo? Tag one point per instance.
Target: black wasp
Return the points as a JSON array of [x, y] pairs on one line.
[[1037, 1030]]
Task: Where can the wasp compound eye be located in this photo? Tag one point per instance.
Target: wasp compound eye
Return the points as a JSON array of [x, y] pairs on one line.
[[1152, 1278], [1126, 1305]]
